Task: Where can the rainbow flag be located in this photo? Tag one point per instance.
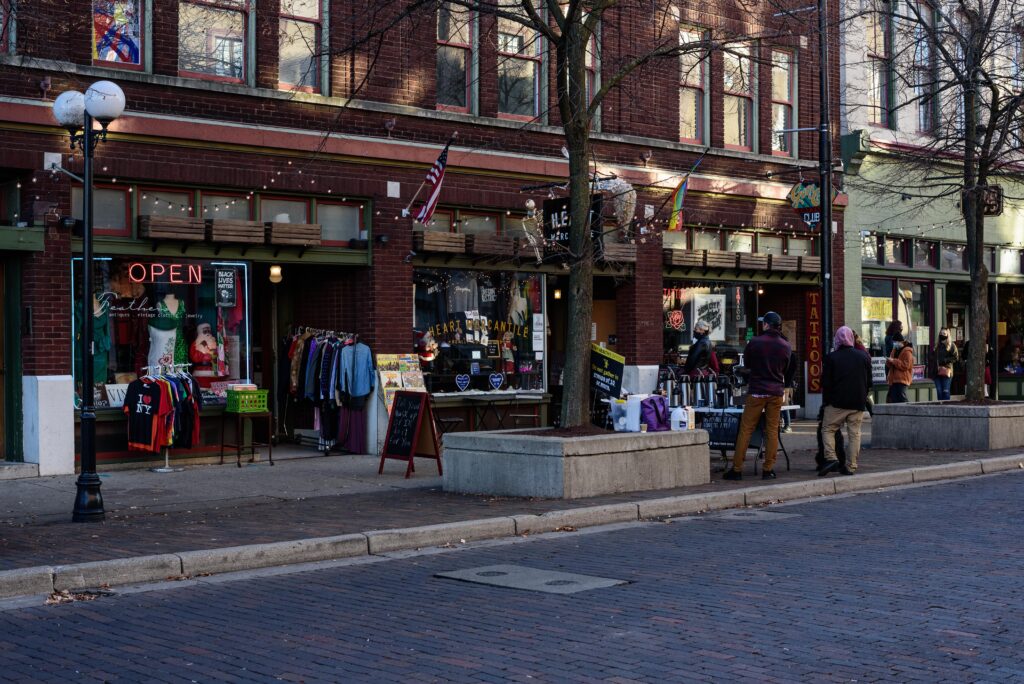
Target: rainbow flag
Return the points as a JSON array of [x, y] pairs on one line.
[[676, 222]]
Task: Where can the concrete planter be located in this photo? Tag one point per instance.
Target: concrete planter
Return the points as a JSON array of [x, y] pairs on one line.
[[949, 426], [511, 464]]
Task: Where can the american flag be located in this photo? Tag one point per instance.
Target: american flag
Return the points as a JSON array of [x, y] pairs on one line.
[[434, 179]]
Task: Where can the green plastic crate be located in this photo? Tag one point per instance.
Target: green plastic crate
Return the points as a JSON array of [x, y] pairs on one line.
[[247, 401]]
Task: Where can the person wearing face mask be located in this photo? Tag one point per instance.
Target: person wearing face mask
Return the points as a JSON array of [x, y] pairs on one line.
[[900, 367], [701, 355], [946, 354]]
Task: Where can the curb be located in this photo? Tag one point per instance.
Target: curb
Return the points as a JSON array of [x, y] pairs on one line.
[[46, 579]]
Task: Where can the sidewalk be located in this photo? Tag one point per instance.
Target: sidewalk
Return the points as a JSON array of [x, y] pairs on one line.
[[208, 507]]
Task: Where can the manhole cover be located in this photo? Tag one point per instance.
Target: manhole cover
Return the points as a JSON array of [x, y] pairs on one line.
[[531, 579]]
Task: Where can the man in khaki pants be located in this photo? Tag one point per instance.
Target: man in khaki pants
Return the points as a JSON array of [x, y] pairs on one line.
[[845, 382], [766, 359]]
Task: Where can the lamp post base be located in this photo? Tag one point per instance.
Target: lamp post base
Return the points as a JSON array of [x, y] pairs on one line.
[[88, 500]]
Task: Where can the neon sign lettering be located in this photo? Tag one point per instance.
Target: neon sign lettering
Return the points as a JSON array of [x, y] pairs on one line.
[[156, 272]]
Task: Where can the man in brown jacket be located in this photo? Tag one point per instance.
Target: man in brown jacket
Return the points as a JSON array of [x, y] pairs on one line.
[[900, 366]]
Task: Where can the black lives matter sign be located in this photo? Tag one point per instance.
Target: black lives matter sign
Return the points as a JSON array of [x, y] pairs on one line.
[[226, 294]]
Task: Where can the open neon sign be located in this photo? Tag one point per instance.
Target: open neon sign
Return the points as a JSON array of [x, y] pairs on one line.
[[156, 272]]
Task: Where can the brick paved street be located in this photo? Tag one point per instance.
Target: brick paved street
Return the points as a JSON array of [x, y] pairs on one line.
[[918, 584], [255, 506]]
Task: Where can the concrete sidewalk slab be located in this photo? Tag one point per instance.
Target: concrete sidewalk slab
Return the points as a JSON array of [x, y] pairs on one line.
[[251, 557], [787, 491], [867, 481], [1001, 463], [383, 541], [947, 471], [26, 581], [116, 571], [577, 517]]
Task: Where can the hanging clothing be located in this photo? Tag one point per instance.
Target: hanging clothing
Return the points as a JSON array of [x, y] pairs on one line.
[[163, 411], [357, 375]]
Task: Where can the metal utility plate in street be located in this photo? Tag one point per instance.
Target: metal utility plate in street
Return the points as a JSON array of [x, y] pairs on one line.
[[531, 579], [750, 515]]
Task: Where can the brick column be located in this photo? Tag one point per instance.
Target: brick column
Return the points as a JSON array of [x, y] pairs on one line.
[[638, 306]]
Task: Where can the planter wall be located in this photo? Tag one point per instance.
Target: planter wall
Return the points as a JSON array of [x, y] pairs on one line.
[[947, 426], [510, 464]]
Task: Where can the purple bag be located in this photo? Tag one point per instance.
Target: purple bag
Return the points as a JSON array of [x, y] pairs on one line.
[[654, 412]]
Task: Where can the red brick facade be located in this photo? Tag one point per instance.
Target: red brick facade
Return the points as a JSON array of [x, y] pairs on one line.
[[389, 80]]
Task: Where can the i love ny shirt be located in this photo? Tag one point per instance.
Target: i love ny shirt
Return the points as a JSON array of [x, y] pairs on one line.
[[147, 404]]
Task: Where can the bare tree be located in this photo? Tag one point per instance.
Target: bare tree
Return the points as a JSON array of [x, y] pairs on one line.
[[954, 70]]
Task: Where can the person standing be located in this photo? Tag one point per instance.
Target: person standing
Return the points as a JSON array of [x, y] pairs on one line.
[[845, 383], [900, 367], [946, 354], [698, 359], [895, 328], [766, 359], [787, 396]]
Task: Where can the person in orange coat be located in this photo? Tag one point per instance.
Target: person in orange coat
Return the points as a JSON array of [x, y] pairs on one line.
[[900, 370]]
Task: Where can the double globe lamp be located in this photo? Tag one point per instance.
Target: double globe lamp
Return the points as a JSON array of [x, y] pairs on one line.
[[102, 103]]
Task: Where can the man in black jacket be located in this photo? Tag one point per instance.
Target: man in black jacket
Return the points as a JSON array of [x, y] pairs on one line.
[[698, 359], [845, 382]]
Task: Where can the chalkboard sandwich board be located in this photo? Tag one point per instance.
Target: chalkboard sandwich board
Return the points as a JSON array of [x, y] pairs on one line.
[[411, 432], [722, 430]]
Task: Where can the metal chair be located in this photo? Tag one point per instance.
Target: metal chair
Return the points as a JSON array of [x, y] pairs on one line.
[[444, 424]]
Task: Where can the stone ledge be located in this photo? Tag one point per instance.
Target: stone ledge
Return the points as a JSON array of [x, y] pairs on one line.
[[116, 571], [576, 517], [689, 504], [255, 556], [25, 581], [383, 541], [788, 491], [506, 441], [948, 426]]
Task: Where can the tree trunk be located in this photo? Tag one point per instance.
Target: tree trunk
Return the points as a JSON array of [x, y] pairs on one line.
[[572, 101], [974, 222]]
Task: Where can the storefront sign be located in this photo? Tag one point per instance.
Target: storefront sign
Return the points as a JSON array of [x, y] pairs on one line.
[[878, 370], [226, 294], [805, 197], [606, 368], [558, 224], [710, 308], [158, 272], [814, 340], [876, 308], [918, 373], [448, 330]]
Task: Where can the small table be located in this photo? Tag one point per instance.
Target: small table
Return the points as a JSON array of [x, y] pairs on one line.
[[704, 410], [240, 419], [499, 405]]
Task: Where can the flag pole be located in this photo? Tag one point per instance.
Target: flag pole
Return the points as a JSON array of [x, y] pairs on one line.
[[405, 212]]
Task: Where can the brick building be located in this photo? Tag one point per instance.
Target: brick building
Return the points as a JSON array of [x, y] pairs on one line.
[[244, 113]]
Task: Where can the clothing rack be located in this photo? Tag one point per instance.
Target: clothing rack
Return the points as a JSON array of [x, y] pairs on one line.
[[162, 369]]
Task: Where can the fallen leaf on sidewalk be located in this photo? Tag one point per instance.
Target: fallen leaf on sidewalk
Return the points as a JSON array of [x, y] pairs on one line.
[[565, 528], [65, 596]]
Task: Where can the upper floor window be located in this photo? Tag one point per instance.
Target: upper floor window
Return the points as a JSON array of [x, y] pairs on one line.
[[925, 71], [454, 56], [692, 94], [111, 209], [299, 45], [116, 32], [212, 37], [738, 102], [953, 257], [519, 61], [6, 23], [879, 35], [782, 102]]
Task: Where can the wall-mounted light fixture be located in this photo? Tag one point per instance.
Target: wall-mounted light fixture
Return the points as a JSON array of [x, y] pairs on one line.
[[558, 293], [275, 274], [381, 240]]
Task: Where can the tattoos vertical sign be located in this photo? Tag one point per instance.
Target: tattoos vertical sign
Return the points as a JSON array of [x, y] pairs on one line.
[[814, 352]]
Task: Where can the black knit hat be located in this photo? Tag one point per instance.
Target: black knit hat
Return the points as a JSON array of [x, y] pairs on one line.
[[771, 318]]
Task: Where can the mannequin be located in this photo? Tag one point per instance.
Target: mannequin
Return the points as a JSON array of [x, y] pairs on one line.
[[167, 343], [100, 337]]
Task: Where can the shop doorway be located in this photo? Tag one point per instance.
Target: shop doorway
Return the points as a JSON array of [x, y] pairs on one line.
[[3, 365]]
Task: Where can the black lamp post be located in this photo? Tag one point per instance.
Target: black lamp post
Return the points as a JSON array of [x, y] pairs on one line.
[[103, 102]]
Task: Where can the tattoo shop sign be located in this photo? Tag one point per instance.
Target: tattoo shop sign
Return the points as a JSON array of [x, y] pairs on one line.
[[710, 308]]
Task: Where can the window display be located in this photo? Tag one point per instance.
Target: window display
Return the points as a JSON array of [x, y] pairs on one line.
[[161, 316], [723, 308], [479, 330]]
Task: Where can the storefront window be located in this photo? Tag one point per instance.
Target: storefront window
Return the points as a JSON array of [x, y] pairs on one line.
[[165, 315], [800, 247], [706, 240], [954, 257], [339, 223], [284, 211], [109, 211], [767, 244], [875, 313], [914, 309], [869, 249], [1009, 261], [925, 254], [895, 252], [724, 309], [474, 328], [225, 206], [990, 258], [739, 242], [474, 224]]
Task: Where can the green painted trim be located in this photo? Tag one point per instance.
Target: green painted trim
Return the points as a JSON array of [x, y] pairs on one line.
[[12, 389], [283, 254], [944, 276], [22, 239]]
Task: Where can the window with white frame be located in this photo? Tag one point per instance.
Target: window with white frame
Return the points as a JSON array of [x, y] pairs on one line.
[[519, 62], [212, 38], [299, 45], [280, 210], [454, 56], [924, 64], [692, 92], [782, 102], [770, 244], [738, 100], [879, 35]]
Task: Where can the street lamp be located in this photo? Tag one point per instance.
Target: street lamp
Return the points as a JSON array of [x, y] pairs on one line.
[[102, 102]]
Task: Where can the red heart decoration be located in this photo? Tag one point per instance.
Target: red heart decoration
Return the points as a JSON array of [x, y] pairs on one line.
[[147, 399]]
